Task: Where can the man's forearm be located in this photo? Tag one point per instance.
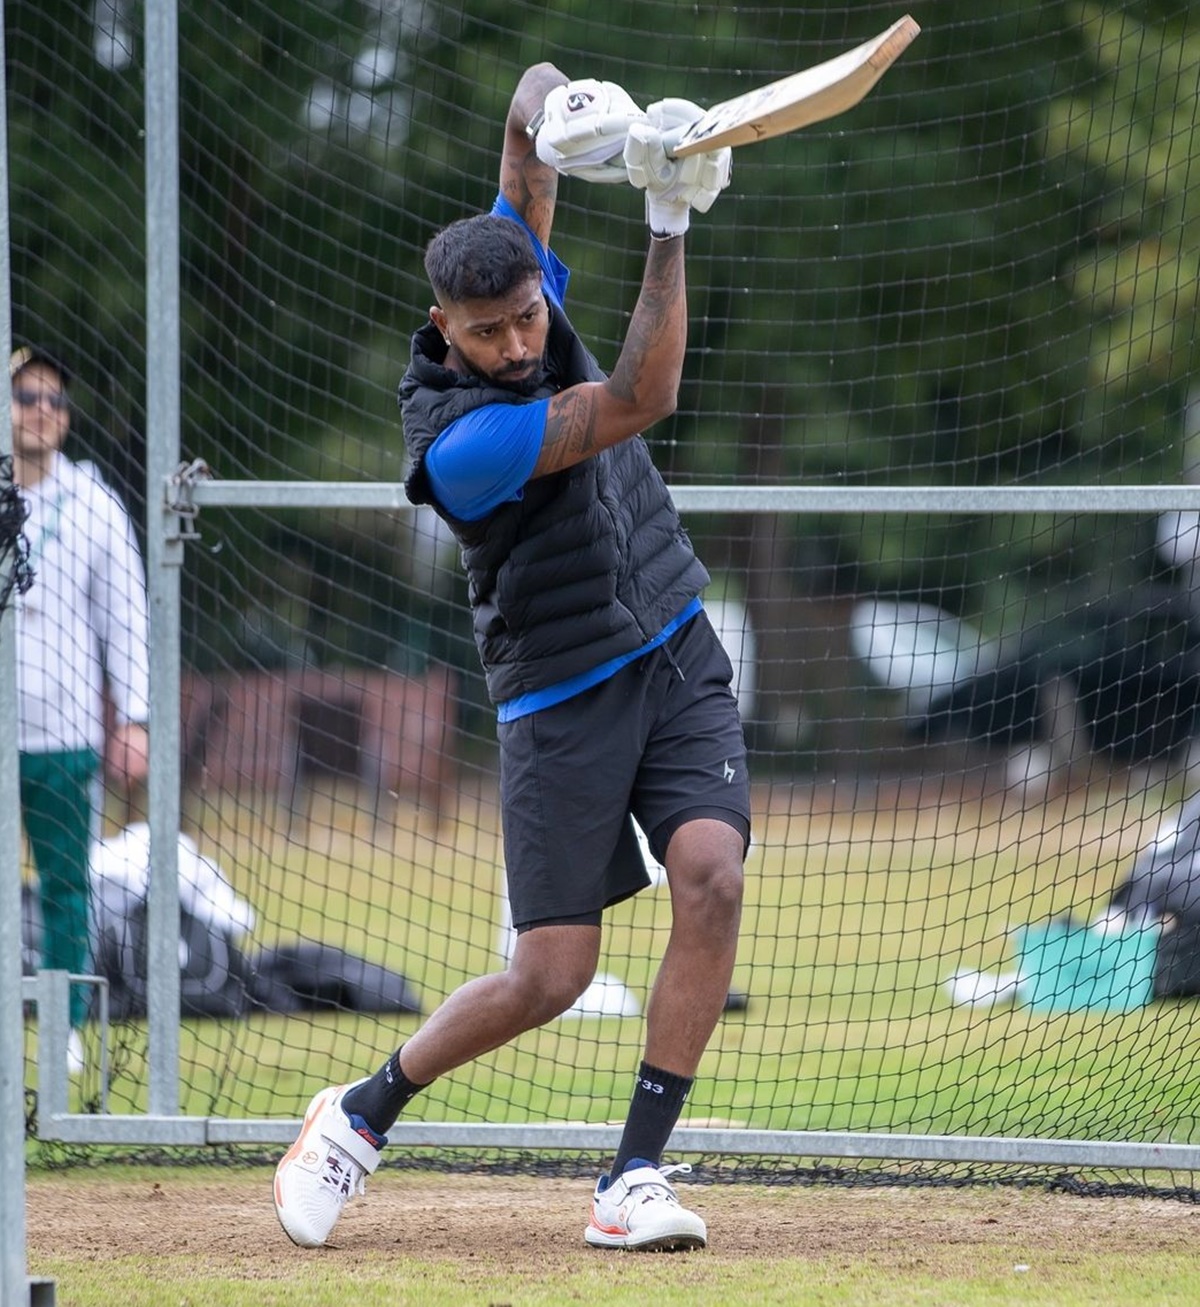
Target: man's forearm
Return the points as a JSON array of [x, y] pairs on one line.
[[644, 386], [650, 365], [528, 184]]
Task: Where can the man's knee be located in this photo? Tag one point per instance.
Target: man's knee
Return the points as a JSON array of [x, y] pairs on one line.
[[723, 889], [704, 861], [543, 996], [707, 896], [550, 971]]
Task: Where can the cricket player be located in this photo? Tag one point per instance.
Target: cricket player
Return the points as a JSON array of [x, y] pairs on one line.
[[612, 689]]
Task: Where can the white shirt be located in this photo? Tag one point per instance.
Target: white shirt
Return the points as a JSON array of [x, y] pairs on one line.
[[84, 619]]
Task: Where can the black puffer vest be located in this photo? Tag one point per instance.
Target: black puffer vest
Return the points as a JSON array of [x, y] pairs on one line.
[[589, 564]]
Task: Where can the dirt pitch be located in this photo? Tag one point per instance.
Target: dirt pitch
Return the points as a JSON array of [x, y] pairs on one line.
[[534, 1225]]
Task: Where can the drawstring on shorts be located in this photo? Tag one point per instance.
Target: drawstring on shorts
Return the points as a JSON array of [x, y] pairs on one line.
[[671, 659]]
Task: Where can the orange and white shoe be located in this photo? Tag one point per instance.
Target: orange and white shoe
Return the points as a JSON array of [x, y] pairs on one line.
[[639, 1211], [326, 1166]]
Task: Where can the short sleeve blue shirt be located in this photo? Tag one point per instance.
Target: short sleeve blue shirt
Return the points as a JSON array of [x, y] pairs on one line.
[[485, 458]]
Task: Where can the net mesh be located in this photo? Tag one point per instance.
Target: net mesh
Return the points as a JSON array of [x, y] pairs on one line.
[[961, 724]]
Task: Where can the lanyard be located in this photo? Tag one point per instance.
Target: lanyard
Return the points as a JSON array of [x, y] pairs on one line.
[[49, 531]]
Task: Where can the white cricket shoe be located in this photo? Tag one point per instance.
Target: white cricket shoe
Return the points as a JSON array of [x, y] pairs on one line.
[[639, 1211], [326, 1166]]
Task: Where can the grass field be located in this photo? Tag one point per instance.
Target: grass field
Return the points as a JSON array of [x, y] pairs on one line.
[[856, 914]]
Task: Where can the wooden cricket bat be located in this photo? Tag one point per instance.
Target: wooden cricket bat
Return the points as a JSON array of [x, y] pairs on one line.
[[800, 100]]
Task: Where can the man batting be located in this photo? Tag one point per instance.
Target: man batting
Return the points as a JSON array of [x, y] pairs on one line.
[[612, 689]]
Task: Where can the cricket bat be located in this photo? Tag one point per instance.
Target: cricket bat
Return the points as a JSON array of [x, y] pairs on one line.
[[800, 100]]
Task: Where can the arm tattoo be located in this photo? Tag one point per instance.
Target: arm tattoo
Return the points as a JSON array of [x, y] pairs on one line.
[[662, 289], [649, 352], [529, 186], [570, 429]]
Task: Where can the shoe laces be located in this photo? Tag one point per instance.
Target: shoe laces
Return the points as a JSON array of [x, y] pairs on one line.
[[646, 1190], [342, 1173]]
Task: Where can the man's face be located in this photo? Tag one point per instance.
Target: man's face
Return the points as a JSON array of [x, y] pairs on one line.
[[501, 340], [41, 414]]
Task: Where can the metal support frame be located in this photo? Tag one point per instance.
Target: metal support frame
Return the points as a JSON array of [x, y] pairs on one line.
[[202, 1131], [190, 488], [164, 543], [50, 992], [389, 495], [14, 1287]]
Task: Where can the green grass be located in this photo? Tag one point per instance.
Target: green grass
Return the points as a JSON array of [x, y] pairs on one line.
[[1101, 1281], [853, 922]]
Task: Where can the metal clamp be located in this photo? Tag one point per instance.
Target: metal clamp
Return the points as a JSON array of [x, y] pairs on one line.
[[180, 498]]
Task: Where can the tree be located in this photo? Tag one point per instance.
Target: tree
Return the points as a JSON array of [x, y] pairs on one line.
[[912, 293]]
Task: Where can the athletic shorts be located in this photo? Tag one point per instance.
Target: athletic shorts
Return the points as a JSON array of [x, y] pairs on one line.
[[660, 741]]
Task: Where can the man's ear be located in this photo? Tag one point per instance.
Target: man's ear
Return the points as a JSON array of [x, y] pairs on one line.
[[437, 316]]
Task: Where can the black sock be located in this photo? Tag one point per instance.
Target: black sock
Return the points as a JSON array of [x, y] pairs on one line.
[[380, 1100], [657, 1101]]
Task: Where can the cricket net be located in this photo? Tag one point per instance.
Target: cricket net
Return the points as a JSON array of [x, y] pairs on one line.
[[952, 332]]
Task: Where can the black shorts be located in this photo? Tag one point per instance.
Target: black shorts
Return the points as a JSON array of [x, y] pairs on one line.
[[661, 741]]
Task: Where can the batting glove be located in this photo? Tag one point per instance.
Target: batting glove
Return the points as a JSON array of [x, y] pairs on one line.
[[674, 187], [583, 130]]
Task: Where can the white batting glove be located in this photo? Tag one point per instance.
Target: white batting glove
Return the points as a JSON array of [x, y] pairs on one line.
[[674, 187], [583, 130]]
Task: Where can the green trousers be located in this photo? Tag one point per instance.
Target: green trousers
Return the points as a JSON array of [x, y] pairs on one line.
[[56, 807]]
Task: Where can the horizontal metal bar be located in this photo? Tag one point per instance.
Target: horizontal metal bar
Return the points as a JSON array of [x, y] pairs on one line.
[[733, 1143], [954, 500], [390, 496], [80, 1128], [301, 494]]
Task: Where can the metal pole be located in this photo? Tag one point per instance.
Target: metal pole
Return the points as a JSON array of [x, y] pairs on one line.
[[13, 1285], [164, 548], [954, 500]]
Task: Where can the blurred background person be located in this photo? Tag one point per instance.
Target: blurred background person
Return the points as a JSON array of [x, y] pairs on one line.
[[82, 642]]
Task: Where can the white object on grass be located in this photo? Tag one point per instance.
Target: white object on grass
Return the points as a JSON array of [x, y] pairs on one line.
[[983, 988], [124, 859], [917, 648]]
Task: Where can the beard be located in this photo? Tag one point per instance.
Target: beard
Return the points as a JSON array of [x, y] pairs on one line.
[[526, 386]]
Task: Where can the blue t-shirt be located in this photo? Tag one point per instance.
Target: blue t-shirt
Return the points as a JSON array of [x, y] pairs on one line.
[[484, 459]]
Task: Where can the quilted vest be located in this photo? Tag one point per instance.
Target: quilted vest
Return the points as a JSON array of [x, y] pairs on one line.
[[590, 563]]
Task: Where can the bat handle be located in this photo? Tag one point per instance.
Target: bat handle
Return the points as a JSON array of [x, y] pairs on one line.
[[672, 138]]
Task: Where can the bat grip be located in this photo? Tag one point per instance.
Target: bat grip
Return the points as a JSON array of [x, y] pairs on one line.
[[671, 140]]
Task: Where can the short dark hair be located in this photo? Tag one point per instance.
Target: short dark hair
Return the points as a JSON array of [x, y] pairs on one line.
[[480, 258]]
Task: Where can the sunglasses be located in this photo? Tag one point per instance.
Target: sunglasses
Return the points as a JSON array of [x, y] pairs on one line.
[[30, 398]]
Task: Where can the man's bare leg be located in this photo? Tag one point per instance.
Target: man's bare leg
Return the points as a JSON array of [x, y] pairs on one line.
[[551, 966], [704, 871]]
